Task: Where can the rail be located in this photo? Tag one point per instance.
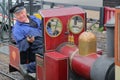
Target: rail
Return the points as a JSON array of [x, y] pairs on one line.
[[6, 73]]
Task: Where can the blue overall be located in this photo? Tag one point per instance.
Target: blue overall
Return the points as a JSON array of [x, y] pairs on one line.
[[20, 31]]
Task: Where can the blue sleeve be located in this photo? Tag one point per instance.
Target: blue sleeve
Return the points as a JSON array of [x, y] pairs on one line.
[[23, 45], [20, 39], [17, 34]]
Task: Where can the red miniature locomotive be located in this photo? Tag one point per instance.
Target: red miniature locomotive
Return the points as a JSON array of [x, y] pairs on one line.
[[69, 54]]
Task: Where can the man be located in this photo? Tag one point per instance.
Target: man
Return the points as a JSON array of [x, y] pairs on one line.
[[27, 33]]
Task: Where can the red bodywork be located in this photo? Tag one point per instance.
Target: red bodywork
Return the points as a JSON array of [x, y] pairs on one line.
[[108, 14], [39, 68], [54, 67], [64, 15], [55, 64], [14, 58], [80, 64]]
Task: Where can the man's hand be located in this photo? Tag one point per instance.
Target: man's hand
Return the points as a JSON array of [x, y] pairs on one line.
[[30, 39]]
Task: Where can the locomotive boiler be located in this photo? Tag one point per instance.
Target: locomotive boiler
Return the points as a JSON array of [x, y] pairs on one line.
[[70, 52]]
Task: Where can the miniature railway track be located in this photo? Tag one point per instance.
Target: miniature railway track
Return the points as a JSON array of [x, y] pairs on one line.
[[4, 74], [4, 69], [7, 75]]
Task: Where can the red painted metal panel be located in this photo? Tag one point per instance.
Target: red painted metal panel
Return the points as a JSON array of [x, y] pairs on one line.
[[52, 42], [108, 14], [56, 66], [61, 11], [79, 64], [39, 68], [14, 56], [64, 15], [82, 64]]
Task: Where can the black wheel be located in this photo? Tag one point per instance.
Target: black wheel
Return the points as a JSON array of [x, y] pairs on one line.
[[111, 73]]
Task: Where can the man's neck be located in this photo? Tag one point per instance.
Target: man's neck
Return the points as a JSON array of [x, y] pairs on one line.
[[27, 20]]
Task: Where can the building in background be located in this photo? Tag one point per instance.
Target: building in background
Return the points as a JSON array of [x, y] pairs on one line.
[[111, 3]]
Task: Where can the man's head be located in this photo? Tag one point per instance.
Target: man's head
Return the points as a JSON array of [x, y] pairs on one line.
[[17, 8], [19, 12]]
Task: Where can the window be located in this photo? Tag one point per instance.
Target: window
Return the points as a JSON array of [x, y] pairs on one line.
[[54, 27], [76, 24]]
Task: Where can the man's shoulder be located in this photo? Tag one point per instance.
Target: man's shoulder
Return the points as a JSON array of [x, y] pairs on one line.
[[16, 24], [33, 17]]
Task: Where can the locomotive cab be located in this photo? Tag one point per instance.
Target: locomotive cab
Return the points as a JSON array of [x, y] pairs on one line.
[[62, 25]]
